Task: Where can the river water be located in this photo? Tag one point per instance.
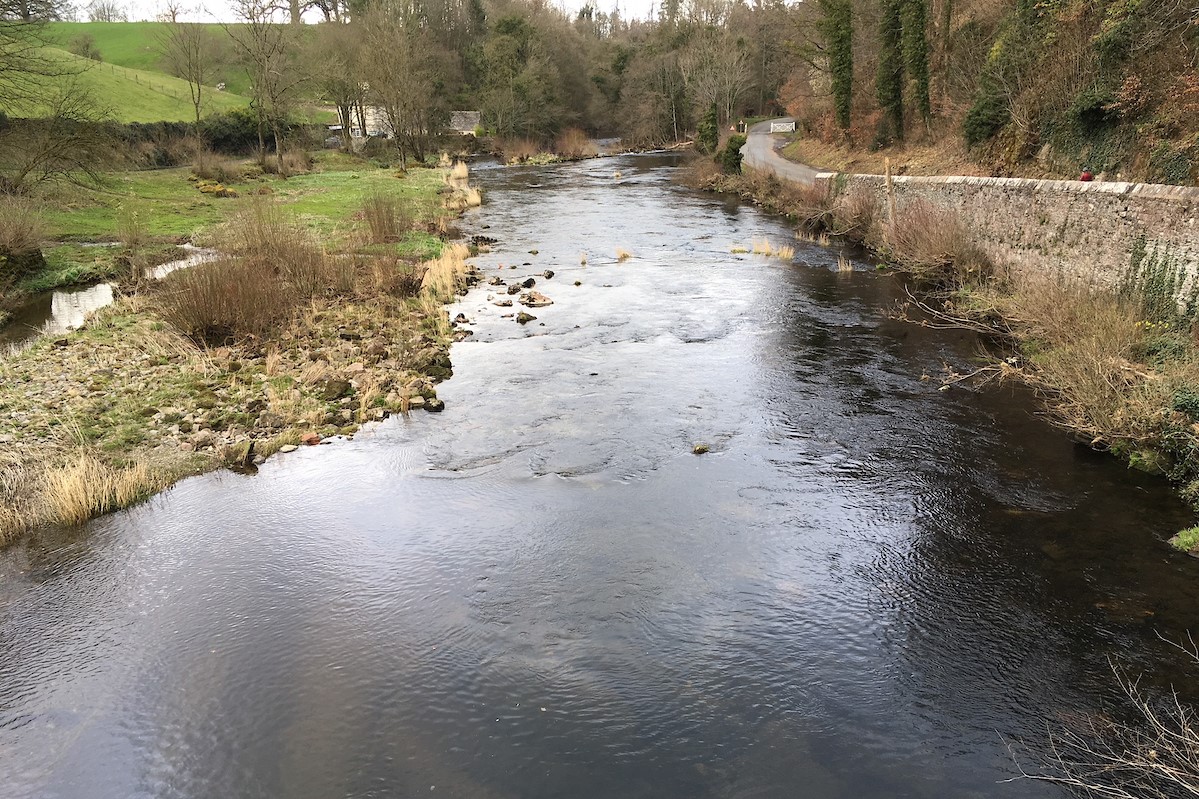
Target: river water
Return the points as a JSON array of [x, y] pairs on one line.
[[863, 590]]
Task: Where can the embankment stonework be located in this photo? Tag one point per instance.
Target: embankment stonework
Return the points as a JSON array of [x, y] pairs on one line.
[[1096, 230]]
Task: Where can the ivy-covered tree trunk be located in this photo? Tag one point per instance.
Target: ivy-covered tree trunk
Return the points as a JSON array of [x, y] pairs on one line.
[[915, 52], [889, 84], [836, 26]]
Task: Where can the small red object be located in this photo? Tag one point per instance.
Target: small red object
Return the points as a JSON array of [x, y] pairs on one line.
[[1086, 176]]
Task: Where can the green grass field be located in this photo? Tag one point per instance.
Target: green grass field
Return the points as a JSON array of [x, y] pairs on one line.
[[131, 95], [135, 45]]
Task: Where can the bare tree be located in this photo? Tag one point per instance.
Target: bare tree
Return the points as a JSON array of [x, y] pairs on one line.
[[716, 71], [171, 11], [269, 50], [66, 143], [1154, 756], [106, 11], [190, 51], [336, 54], [25, 66]]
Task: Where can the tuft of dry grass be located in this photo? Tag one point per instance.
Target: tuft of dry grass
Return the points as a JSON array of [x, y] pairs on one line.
[[843, 263], [622, 254], [855, 215], [21, 227], [207, 165], [770, 250], [86, 487], [442, 277]]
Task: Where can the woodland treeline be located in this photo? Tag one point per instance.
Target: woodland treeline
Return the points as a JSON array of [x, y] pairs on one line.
[[1112, 83]]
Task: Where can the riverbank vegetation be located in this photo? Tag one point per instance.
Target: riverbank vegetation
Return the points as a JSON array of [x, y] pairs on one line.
[[307, 326], [999, 88], [1118, 366]]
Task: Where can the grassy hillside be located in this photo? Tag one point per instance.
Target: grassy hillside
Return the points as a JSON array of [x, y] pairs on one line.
[[133, 95], [135, 45]]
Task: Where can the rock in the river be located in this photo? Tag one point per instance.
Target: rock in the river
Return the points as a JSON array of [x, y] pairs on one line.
[[514, 288], [416, 401], [310, 439], [461, 319], [701, 449], [434, 405], [524, 318], [503, 303], [547, 274], [528, 282], [497, 281], [241, 455], [534, 299], [288, 448]]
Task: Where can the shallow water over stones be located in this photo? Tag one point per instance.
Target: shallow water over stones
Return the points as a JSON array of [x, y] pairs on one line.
[[861, 589]]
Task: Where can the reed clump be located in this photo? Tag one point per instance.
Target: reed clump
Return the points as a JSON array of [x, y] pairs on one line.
[[387, 218], [86, 486], [931, 244]]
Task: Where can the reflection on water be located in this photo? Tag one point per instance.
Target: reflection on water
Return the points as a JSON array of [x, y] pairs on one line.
[[56, 312], [541, 592]]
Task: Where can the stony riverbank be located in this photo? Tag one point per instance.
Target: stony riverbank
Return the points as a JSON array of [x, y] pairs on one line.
[[282, 344]]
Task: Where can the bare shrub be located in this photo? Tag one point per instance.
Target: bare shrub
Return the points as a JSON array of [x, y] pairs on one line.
[[210, 166], [131, 228], [387, 218], [933, 245], [1156, 754], [224, 301], [855, 215], [21, 227], [517, 151], [396, 278], [574, 143], [296, 162]]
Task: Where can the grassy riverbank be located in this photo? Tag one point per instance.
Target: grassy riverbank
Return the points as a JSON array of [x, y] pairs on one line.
[[325, 314], [1118, 368]]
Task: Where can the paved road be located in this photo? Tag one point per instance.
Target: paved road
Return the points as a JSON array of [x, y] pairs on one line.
[[760, 152]]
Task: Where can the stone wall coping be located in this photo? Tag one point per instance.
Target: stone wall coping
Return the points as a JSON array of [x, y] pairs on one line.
[[1159, 191]]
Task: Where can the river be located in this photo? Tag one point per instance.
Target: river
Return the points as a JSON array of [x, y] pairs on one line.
[[864, 589]]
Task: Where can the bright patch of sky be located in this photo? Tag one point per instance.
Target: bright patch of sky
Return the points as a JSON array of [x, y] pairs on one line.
[[222, 10]]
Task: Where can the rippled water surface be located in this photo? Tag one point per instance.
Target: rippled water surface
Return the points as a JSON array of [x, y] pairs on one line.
[[862, 590]]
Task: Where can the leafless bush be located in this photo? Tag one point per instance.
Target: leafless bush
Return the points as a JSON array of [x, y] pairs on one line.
[[933, 245], [223, 301], [396, 278], [296, 162], [387, 218], [210, 166], [21, 227], [1156, 754], [855, 215], [574, 143], [518, 150]]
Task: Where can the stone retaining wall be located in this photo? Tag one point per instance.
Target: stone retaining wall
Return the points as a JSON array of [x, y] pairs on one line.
[[1092, 230]]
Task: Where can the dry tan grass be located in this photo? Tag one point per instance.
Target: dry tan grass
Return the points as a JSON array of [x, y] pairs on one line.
[[443, 275], [518, 150], [86, 487], [622, 254], [843, 263], [208, 165], [582, 259]]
